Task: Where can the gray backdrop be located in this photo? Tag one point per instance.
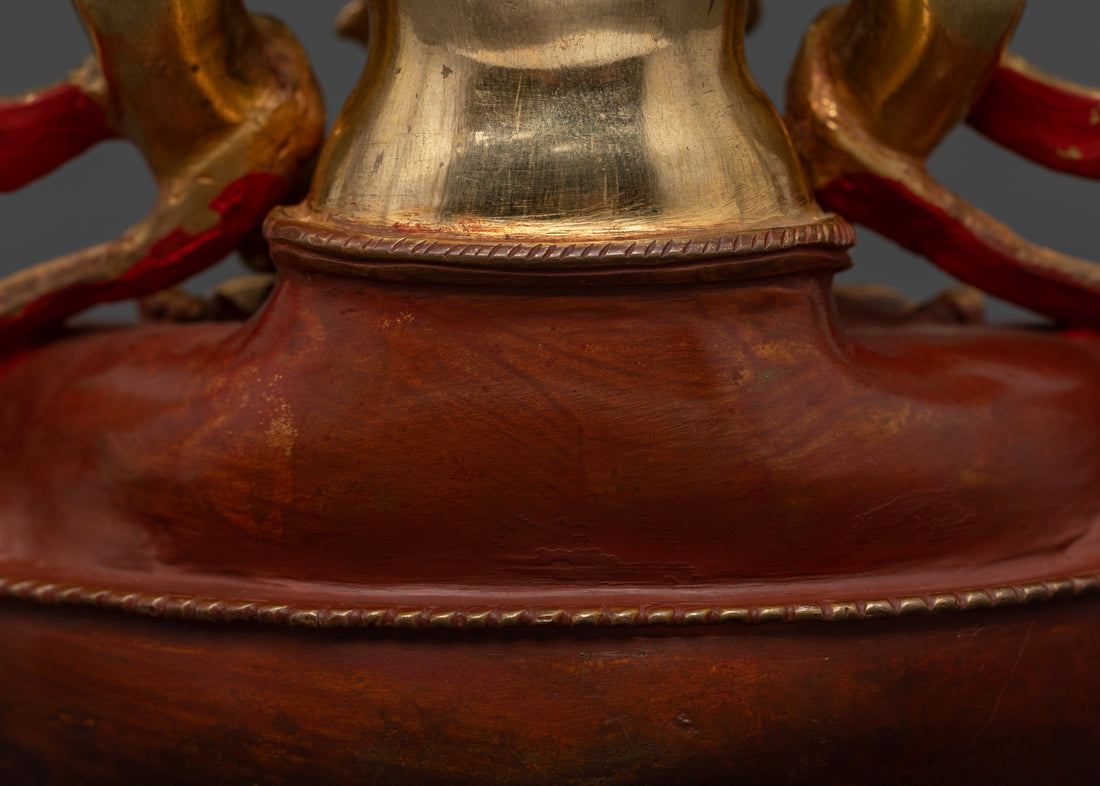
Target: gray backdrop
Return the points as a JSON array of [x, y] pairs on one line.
[[96, 197]]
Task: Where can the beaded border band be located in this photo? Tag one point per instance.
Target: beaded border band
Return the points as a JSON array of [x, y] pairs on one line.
[[355, 251], [178, 607], [355, 241]]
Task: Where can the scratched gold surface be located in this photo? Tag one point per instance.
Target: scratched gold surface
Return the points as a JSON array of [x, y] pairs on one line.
[[580, 119]]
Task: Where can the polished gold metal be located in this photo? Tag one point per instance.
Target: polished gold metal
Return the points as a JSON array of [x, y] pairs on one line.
[[580, 120]]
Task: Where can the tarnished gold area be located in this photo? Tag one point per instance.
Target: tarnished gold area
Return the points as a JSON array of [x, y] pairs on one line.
[[205, 50], [211, 95], [915, 67], [877, 85], [581, 120]]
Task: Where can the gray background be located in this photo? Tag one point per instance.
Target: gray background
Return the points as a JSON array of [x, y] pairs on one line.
[[97, 196]]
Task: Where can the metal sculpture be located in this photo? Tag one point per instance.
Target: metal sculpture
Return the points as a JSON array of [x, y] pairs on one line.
[[552, 456], [223, 107]]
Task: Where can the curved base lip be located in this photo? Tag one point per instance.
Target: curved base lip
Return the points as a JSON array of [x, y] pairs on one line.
[[353, 250], [178, 595]]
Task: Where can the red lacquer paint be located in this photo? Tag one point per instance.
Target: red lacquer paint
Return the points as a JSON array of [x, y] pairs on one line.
[[41, 134], [1049, 124], [898, 212], [242, 207]]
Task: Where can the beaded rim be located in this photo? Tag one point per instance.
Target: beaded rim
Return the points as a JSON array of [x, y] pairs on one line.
[[181, 607], [356, 251], [353, 241]]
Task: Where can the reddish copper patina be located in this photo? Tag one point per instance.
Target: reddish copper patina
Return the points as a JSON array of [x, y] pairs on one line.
[[626, 490], [555, 488]]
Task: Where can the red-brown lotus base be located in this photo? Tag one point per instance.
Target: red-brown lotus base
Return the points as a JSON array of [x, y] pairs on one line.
[[541, 516], [989, 696]]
